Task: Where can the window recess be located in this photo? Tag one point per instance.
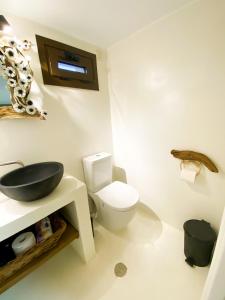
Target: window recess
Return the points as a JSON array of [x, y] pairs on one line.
[[65, 65]]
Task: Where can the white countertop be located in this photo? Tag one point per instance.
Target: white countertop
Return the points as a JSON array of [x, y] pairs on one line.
[[17, 215]]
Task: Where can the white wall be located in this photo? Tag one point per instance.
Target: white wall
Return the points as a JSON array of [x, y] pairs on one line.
[[167, 92], [78, 122]]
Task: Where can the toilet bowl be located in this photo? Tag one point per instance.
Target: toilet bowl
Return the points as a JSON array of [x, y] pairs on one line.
[[116, 205], [116, 201]]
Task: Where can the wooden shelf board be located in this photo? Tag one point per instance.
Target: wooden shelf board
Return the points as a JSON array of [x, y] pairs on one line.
[[68, 236], [7, 112]]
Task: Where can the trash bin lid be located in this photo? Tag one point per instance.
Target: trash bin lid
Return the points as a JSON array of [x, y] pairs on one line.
[[200, 230]]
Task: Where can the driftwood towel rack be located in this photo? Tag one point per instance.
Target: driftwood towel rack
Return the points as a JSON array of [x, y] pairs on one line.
[[195, 156]]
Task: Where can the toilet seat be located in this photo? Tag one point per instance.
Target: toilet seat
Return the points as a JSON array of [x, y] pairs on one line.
[[119, 196]]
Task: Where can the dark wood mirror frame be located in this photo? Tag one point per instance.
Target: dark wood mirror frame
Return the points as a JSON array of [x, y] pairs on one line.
[[51, 53]]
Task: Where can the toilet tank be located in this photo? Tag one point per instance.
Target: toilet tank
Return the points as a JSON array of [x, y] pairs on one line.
[[97, 171]]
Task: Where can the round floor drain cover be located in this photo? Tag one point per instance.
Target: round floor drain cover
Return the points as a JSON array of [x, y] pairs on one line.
[[120, 270]]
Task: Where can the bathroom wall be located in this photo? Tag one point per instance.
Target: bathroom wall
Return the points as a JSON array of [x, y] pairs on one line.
[[79, 120], [167, 92]]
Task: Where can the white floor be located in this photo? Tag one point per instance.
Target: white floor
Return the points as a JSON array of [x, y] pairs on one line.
[[152, 252]]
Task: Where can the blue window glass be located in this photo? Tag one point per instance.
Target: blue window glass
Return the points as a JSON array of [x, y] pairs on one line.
[[71, 68]]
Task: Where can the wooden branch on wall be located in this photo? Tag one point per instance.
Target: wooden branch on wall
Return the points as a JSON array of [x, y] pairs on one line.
[[7, 112], [195, 156]]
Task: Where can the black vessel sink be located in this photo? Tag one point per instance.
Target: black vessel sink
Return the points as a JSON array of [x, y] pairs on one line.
[[32, 182]]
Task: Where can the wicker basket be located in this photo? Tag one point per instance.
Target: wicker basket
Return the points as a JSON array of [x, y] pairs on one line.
[[58, 226]]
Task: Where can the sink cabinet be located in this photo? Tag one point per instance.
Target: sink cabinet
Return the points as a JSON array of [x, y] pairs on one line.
[[70, 197]]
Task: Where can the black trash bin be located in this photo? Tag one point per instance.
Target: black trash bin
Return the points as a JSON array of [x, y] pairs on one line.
[[199, 240]]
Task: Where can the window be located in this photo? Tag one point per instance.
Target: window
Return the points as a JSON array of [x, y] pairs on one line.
[[71, 68], [65, 65]]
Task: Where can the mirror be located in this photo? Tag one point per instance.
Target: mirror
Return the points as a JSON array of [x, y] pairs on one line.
[[4, 93]]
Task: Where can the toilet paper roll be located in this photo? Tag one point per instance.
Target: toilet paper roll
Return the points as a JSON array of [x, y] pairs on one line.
[[23, 243], [189, 170]]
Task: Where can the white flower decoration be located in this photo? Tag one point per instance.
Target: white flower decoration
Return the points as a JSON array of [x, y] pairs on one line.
[[30, 102], [23, 68], [18, 108], [12, 82], [12, 43], [31, 110], [16, 64], [19, 92], [9, 71], [11, 53], [23, 83], [15, 68], [43, 113], [29, 78], [26, 45]]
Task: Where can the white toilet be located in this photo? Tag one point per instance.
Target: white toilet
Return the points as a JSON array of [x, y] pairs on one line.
[[115, 201]]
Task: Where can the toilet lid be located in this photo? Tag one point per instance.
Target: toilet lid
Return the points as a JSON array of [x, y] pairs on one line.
[[119, 195]]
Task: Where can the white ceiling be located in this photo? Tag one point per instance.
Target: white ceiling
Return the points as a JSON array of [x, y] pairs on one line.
[[102, 22]]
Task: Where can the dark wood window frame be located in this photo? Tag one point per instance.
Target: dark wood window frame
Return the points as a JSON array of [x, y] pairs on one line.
[[83, 64]]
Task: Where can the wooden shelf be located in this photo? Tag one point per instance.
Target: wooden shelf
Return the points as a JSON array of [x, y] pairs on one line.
[[68, 236], [7, 112]]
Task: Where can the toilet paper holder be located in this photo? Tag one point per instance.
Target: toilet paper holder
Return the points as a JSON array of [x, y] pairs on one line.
[[196, 164], [197, 157]]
